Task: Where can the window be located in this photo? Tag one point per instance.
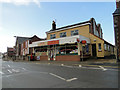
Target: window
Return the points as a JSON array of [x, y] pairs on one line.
[[105, 47], [63, 34], [75, 32], [99, 46], [26, 44], [108, 47], [52, 36]]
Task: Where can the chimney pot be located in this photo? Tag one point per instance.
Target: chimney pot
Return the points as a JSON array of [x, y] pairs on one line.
[[53, 25]]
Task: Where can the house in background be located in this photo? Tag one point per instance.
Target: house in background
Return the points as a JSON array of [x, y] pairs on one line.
[[73, 42], [10, 52], [25, 50], [116, 17], [19, 41]]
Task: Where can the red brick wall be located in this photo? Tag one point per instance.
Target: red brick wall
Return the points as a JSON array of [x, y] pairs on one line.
[[117, 4], [45, 58], [68, 58]]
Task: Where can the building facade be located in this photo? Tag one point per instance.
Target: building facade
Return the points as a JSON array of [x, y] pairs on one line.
[[116, 17], [10, 52], [19, 41], [25, 50], [73, 43]]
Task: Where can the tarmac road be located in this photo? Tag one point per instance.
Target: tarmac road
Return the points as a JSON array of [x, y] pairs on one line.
[[40, 75]]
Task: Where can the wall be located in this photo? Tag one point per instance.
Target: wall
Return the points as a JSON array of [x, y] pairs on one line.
[[83, 30], [68, 58], [98, 40], [109, 52]]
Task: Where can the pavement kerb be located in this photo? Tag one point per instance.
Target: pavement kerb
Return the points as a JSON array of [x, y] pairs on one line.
[[71, 63]]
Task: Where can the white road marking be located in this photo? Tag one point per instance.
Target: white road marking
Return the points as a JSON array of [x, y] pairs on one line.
[[23, 68], [15, 70], [68, 66], [9, 71], [103, 68], [1, 72], [69, 80], [57, 76], [8, 65]]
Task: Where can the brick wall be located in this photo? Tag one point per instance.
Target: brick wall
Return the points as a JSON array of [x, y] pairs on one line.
[[68, 58], [118, 4], [43, 58]]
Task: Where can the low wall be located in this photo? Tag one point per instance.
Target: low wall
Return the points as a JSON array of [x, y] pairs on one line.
[[68, 58], [43, 58]]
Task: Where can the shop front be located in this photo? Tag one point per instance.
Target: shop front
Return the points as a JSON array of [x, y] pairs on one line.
[[62, 49]]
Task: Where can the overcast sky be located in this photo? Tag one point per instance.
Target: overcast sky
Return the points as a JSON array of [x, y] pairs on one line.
[[35, 18]]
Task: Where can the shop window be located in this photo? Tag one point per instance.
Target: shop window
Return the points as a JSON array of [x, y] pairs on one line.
[[75, 32], [63, 34], [52, 36], [67, 50], [105, 47], [99, 46]]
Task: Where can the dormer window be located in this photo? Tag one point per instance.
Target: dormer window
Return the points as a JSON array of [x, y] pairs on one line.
[[75, 32], [63, 34], [52, 36]]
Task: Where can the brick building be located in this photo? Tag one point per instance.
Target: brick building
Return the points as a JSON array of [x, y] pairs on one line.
[[25, 50], [116, 17], [19, 41], [10, 51], [73, 43]]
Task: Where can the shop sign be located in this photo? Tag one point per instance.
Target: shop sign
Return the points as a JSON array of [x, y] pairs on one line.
[[42, 43], [53, 42], [83, 42], [68, 40]]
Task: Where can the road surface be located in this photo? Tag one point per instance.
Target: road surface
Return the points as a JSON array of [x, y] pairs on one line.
[[39, 75]]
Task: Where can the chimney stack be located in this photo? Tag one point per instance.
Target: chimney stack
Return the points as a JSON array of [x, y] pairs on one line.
[[117, 3], [53, 25]]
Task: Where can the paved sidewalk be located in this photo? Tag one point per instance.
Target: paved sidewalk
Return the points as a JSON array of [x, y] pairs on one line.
[[89, 62]]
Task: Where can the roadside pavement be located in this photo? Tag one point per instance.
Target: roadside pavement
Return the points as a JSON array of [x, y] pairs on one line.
[[108, 63]]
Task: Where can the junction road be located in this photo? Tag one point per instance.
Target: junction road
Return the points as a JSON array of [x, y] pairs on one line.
[[39, 75]]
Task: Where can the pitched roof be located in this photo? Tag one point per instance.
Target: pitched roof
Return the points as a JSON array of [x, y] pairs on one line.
[[20, 40], [70, 26], [117, 11]]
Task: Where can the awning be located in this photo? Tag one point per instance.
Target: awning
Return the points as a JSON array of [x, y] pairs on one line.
[[64, 40]]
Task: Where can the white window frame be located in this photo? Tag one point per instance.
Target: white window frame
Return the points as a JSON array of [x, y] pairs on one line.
[[99, 46], [74, 31], [52, 36], [105, 46], [63, 34]]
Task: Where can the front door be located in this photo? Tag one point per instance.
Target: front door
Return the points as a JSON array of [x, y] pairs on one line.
[[94, 50], [52, 55]]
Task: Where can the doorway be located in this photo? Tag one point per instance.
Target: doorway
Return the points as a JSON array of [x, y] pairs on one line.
[[94, 50], [51, 53]]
